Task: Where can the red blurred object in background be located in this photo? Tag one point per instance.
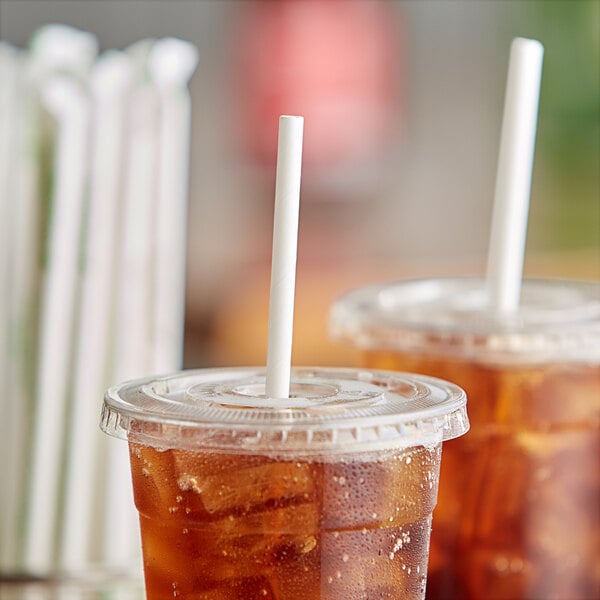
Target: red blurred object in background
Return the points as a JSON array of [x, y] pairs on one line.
[[337, 62]]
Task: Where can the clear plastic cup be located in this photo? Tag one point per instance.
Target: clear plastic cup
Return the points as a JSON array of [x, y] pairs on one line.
[[519, 497], [325, 495]]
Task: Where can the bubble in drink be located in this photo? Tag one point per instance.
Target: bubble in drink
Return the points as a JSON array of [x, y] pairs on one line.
[[328, 498], [523, 521]]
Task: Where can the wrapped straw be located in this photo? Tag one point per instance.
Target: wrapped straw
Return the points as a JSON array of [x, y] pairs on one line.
[[28, 164], [12, 424], [171, 63], [150, 311], [65, 100], [59, 56], [133, 309], [513, 179], [110, 80]]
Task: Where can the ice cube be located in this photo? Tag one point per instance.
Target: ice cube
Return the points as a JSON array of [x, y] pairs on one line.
[[564, 395], [221, 485]]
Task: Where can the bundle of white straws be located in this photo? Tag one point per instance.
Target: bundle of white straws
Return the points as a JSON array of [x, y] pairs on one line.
[[93, 202]]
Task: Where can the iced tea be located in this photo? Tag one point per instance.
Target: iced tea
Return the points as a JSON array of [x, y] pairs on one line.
[[232, 527], [325, 495], [518, 515], [523, 521]]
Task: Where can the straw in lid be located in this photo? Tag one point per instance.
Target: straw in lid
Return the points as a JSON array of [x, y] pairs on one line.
[[330, 411], [556, 320]]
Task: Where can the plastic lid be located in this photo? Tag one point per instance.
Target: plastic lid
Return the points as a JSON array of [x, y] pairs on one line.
[[556, 320], [329, 411]]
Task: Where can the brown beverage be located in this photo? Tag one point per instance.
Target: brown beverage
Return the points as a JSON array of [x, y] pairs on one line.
[[328, 497], [523, 520]]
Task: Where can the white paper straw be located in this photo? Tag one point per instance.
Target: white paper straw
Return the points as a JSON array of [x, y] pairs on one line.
[[66, 102], [12, 443], [513, 179], [8, 143], [136, 237], [283, 265], [133, 311], [25, 202], [110, 79], [171, 63]]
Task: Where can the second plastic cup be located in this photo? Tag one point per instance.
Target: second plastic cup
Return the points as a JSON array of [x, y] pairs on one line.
[[523, 520], [326, 495]]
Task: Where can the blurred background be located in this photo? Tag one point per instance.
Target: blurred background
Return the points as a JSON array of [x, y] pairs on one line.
[[402, 103]]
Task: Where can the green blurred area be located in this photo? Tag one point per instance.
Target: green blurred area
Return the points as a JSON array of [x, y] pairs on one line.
[[565, 210]]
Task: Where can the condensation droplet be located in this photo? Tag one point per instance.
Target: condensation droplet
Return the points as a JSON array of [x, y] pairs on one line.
[[345, 558]]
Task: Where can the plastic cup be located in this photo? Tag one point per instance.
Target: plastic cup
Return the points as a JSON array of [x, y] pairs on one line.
[[523, 520], [325, 495]]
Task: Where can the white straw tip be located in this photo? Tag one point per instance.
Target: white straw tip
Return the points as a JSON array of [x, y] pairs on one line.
[[291, 118], [527, 45], [172, 61], [58, 46]]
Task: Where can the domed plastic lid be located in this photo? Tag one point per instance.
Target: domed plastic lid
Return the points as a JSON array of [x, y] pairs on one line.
[[329, 411], [556, 320]]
